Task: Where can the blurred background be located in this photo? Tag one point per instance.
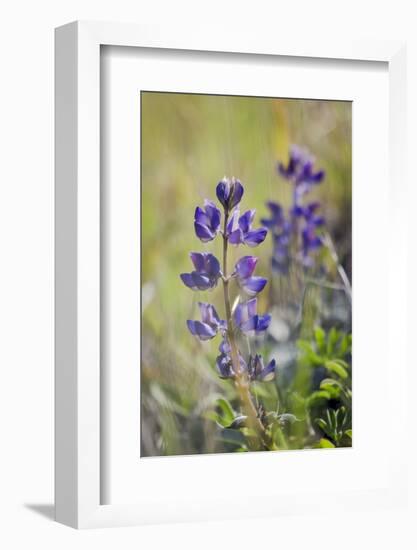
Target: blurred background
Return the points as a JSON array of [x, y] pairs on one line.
[[189, 142]]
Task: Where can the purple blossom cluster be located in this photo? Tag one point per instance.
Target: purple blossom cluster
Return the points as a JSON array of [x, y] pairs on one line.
[[236, 230], [296, 233]]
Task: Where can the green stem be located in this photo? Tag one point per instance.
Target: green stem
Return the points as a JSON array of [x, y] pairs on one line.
[[241, 380]]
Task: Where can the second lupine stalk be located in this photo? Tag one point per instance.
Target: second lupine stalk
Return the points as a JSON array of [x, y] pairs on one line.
[[236, 230]]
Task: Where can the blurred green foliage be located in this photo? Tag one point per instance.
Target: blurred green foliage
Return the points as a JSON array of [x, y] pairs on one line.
[[188, 143]]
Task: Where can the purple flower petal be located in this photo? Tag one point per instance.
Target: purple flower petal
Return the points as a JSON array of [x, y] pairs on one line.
[[236, 237], [224, 346], [233, 223], [319, 221], [268, 373], [250, 325], [229, 193], [245, 221], [201, 282], [252, 306], [198, 260], [224, 366], [188, 280], [276, 209], [209, 314], [203, 232], [255, 237], [212, 265], [240, 314], [263, 323], [213, 213], [317, 177], [253, 285], [245, 266], [237, 193], [223, 191], [201, 217], [203, 331]]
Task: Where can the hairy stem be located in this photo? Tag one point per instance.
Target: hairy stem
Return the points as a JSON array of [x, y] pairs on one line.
[[241, 380]]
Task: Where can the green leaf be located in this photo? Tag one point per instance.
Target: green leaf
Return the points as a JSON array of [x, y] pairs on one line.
[[349, 433], [332, 390], [318, 397], [325, 444], [335, 367], [309, 352], [345, 345], [228, 413], [320, 336], [322, 424], [332, 339]]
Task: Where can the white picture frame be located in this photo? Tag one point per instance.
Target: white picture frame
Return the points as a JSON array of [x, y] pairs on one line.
[[78, 426]]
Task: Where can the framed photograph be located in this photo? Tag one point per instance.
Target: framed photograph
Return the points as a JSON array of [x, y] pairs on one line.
[[226, 344]]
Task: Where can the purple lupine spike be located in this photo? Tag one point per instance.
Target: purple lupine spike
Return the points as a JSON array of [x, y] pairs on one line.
[[239, 230], [257, 370], [207, 221], [243, 272], [206, 274], [209, 325], [247, 319], [229, 192]]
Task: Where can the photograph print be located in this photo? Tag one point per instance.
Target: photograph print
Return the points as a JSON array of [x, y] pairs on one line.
[[246, 270]]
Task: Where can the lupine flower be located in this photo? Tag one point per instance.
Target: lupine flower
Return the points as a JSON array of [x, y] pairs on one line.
[[247, 319], [277, 218], [225, 367], [257, 370], [300, 171], [207, 221], [310, 216], [243, 273], [239, 229], [310, 239], [224, 362], [310, 242], [229, 193], [209, 325], [206, 274]]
